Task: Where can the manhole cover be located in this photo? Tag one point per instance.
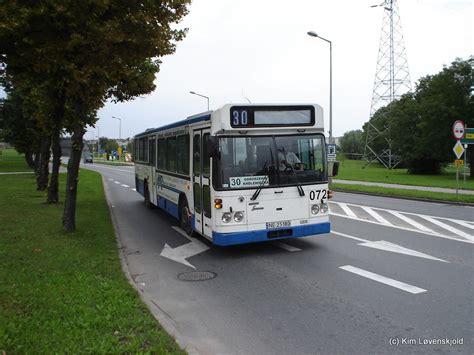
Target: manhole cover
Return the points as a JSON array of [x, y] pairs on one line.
[[196, 275]]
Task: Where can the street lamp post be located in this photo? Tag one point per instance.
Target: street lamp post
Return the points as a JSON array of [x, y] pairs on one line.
[[98, 142], [195, 93], [120, 126], [314, 34]]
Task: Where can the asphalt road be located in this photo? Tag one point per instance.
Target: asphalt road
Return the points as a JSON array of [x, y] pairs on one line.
[[394, 276]]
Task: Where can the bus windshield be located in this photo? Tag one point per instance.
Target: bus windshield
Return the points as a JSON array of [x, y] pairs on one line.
[[250, 162]]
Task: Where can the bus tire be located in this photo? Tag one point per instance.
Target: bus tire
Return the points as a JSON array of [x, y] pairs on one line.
[[184, 216], [146, 194]]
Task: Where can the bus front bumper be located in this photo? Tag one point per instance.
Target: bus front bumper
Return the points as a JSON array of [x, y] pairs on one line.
[[265, 235]]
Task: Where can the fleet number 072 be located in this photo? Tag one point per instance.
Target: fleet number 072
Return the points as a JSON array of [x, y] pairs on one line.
[[318, 195]]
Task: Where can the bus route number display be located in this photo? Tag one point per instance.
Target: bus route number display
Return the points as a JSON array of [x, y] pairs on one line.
[[268, 116]]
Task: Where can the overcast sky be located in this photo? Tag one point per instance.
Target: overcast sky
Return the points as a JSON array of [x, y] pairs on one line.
[[260, 49]]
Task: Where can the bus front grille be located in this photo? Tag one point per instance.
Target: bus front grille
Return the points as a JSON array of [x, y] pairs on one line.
[[280, 233]]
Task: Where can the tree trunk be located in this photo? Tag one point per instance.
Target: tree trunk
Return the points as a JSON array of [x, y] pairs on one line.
[[37, 162], [53, 189], [69, 215], [42, 176], [29, 159]]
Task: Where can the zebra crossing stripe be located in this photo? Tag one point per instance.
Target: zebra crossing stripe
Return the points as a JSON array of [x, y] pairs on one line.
[[375, 215], [462, 223], [347, 210], [411, 222], [449, 228]]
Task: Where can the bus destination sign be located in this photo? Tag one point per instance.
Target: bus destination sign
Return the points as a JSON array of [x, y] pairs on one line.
[[271, 116]]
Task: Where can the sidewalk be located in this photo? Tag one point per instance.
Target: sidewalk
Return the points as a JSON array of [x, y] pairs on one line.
[[404, 187]]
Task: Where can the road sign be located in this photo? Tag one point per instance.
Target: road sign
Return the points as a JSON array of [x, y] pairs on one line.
[[119, 150], [459, 162], [458, 129], [331, 152], [458, 149], [468, 136]]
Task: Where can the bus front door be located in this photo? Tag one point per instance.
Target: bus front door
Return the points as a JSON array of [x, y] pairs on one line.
[[201, 179]]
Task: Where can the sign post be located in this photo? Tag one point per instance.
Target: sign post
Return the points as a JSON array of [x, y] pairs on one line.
[[458, 133], [468, 139]]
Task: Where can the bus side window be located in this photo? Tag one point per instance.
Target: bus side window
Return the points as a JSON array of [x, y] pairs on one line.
[[205, 156], [196, 155], [152, 149], [171, 154], [161, 154], [183, 154]]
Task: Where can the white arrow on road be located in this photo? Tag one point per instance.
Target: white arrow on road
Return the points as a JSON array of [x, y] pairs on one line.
[[387, 246], [181, 253], [383, 245]]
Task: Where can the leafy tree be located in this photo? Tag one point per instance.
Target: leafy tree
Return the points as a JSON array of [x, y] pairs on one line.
[[352, 143], [421, 121], [93, 50]]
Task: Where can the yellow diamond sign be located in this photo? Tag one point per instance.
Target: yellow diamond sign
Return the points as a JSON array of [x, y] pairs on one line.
[[458, 149]]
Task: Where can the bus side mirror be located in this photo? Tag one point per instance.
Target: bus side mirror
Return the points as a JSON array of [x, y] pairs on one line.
[[212, 146], [333, 168]]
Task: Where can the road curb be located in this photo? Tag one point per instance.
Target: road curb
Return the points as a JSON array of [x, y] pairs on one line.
[[165, 321], [404, 197]]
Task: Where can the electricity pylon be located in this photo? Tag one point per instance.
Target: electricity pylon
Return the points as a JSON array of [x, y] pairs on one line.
[[392, 80]]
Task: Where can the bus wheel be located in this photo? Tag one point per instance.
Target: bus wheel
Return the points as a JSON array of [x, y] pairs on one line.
[[185, 217], [147, 197]]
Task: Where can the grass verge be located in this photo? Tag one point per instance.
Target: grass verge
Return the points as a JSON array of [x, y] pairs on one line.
[[354, 170], [425, 195], [11, 161], [66, 293]]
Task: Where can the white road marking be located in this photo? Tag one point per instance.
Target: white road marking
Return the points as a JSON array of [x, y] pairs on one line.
[[350, 237], [111, 179], [375, 215], [387, 246], [449, 228], [286, 246], [116, 182], [382, 279], [125, 185], [181, 253], [432, 233], [462, 223], [411, 221], [134, 189], [347, 210]]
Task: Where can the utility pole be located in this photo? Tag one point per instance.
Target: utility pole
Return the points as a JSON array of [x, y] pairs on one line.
[[392, 80]]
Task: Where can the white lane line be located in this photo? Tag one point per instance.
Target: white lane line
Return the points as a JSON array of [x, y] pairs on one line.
[[125, 185], [462, 223], [375, 215], [116, 182], [134, 189], [347, 210], [449, 228], [110, 179], [351, 237], [382, 279], [411, 222], [286, 246]]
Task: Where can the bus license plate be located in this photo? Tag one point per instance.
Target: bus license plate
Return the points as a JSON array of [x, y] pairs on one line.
[[278, 224]]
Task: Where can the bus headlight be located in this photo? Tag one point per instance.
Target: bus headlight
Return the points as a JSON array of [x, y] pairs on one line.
[[324, 207], [226, 217], [314, 209], [238, 216]]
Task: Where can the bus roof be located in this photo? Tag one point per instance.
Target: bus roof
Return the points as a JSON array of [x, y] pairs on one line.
[[205, 116]]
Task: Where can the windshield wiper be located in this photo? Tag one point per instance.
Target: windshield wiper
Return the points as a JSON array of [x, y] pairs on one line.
[[300, 189], [257, 192]]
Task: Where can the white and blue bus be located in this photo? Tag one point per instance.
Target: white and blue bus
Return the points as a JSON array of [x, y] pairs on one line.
[[240, 174]]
